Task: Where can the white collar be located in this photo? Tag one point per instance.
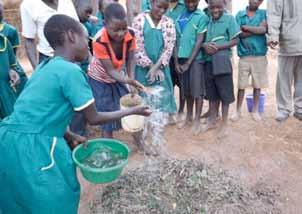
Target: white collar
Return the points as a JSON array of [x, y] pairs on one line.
[[150, 21]]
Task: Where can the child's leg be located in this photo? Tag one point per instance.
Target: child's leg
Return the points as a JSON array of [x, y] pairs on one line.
[[211, 120], [256, 96], [225, 115], [190, 103], [189, 117], [198, 109], [182, 102], [240, 97]]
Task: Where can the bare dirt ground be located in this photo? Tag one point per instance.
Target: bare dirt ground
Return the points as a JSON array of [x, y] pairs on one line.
[[263, 153]]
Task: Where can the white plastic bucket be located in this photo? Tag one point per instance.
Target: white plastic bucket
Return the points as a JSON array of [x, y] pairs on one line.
[[132, 123]]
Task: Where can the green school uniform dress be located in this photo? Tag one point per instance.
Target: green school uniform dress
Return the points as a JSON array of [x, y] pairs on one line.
[[154, 45], [37, 174], [8, 95], [255, 45], [12, 35]]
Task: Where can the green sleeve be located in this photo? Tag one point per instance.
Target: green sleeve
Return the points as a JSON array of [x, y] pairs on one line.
[[11, 54], [203, 24], [233, 28], [238, 20], [75, 88]]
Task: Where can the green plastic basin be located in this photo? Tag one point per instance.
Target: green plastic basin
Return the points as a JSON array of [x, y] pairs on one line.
[[97, 175]]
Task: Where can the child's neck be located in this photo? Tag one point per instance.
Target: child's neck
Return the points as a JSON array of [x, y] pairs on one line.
[[173, 5], [251, 12], [218, 18], [65, 53], [155, 21]]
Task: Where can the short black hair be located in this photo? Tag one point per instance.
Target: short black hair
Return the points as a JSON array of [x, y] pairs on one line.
[[100, 3], [114, 11], [81, 3], [57, 26]]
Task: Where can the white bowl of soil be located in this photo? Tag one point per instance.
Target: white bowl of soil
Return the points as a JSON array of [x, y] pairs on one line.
[[132, 123]]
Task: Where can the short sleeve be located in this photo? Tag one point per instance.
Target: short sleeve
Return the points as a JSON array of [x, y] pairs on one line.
[[29, 28], [100, 51], [11, 54], [238, 19], [203, 24], [233, 28], [76, 89]]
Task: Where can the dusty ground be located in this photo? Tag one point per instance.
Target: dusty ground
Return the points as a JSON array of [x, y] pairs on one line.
[[264, 153]]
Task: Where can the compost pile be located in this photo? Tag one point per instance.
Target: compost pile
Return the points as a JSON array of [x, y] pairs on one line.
[[176, 186]]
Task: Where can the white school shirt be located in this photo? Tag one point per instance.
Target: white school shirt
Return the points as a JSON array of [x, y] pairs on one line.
[[34, 15]]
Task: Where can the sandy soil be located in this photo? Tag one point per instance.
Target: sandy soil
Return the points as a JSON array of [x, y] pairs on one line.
[[263, 153]]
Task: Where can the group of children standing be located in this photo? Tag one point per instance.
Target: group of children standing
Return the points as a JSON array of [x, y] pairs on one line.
[[191, 49], [201, 61], [170, 43]]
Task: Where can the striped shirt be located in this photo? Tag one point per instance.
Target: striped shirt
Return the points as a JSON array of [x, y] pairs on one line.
[[102, 49]]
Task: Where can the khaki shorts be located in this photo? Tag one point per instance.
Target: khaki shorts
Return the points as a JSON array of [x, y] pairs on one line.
[[256, 67]]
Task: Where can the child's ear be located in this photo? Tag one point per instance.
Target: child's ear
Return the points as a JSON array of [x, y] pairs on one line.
[[71, 36]]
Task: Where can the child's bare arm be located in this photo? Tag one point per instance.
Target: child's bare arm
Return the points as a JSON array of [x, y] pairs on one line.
[[118, 76], [175, 56], [96, 118], [31, 52], [257, 30], [244, 35], [227, 45], [130, 64]]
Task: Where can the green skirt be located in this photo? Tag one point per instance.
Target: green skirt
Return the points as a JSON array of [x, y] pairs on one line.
[[167, 103], [27, 187]]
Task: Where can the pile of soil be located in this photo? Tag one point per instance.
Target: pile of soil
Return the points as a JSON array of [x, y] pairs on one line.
[[131, 100], [183, 186]]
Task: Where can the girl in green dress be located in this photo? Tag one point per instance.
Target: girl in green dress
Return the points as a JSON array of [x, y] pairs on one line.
[[12, 35], [37, 174], [155, 34], [9, 78]]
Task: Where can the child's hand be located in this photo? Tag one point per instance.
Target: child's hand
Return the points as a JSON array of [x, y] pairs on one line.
[[93, 19], [14, 78], [138, 86], [74, 140], [155, 75], [243, 28], [185, 67], [178, 68], [142, 110], [210, 48], [273, 44]]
